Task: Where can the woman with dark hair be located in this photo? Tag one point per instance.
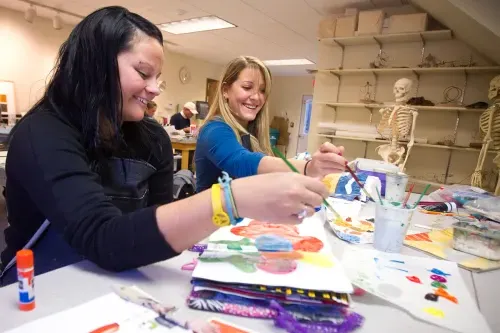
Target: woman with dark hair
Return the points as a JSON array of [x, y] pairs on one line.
[[89, 178]]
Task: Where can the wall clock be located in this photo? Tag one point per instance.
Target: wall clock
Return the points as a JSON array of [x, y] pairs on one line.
[[184, 75]]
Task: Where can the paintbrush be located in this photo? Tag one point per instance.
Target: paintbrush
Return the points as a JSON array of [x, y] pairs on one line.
[[290, 165], [362, 186], [408, 195], [421, 196]]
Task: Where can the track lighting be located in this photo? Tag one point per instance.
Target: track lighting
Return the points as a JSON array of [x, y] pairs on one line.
[[57, 22], [30, 14]]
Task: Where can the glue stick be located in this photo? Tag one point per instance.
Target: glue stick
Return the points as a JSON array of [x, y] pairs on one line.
[[26, 278]]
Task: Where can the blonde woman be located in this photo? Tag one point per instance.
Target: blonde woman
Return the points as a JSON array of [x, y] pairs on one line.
[[235, 135]]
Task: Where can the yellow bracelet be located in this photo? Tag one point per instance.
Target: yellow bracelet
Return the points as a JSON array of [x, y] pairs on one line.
[[219, 217]]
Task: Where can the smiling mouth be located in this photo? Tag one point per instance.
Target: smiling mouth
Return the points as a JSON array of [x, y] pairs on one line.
[[142, 100], [251, 107]]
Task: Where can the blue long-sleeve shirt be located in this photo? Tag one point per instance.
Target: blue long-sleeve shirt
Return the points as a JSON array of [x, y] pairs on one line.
[[217, 150]]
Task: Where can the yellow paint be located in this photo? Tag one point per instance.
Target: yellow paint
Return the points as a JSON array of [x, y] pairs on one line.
[[289, 291], [434, 312], [300, 291], [326, 295], [262, 288], [311, 294], [279, 290], [316, 259]]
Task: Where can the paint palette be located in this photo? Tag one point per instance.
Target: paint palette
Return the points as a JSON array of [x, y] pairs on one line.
[[429, 289]]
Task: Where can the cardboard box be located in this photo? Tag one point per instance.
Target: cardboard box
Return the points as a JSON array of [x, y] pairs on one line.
[[345, 26], [326, 27], [407, 23], [370, 22]]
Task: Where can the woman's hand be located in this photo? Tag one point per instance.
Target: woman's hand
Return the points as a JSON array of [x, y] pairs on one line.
[[328, 159], [278, 197]]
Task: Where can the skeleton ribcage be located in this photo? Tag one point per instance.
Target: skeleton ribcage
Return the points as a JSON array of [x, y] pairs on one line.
[[495, 126], [400, 126]]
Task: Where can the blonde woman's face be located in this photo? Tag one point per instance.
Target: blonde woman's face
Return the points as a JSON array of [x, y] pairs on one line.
[[246, 95]]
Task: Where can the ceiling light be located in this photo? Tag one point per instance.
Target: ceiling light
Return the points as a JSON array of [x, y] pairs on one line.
[[195, 25], [288, 62], [30, 14], [57, 22]]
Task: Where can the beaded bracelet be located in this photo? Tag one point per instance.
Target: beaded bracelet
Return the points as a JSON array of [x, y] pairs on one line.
[[225, 183]]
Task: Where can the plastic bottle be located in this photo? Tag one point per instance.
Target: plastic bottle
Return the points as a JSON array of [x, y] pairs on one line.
[[26, 278], [443, 207]]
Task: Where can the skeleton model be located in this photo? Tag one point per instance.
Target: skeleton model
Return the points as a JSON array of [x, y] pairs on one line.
[[489, 124], [398, 123]]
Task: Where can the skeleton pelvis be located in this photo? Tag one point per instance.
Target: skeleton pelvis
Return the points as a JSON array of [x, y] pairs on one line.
[[391, 155]]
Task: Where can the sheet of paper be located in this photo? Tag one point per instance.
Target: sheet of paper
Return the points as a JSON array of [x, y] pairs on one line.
[[410, 282], [97, 313], [310, 266]]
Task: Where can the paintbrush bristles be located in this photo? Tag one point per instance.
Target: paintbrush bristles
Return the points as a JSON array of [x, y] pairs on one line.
[[361, 186]]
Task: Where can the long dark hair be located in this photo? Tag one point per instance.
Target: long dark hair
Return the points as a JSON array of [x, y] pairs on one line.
[[85, 87]]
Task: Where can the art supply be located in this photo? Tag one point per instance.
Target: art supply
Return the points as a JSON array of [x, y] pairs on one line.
[[273, 243], [453, 308], [395, 186], [421, 195], [379, 197], [368, 196], [110, 328], [290, 165], [391, 225], [480, 239], [408, 195], [443, 207], [26, 278]]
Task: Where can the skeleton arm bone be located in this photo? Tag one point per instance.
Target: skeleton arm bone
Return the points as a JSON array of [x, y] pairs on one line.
[[412, 139], [477, 177]]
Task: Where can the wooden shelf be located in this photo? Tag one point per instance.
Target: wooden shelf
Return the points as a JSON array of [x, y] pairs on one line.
[[418, 107], [426, 36], [427, 145], [410, 71]]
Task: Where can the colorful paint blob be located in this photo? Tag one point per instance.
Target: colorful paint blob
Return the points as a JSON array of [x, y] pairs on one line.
[[414, 279], [437, 284], [438, 278], [439, 272], [434, 312], [443, 293], [431, 297], [290, 232]]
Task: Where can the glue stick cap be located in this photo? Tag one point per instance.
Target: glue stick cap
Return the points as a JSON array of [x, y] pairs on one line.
[[24, 258]]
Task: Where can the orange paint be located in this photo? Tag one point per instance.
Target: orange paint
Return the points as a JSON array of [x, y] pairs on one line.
[[292, 255], [290, 232], [422, 237], [443, 293]]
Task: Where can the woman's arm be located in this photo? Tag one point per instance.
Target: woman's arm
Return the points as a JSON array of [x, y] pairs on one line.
[[48, 161]]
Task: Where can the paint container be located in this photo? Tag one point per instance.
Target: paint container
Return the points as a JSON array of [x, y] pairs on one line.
[[395, 186], [480, 239], [391, 225]]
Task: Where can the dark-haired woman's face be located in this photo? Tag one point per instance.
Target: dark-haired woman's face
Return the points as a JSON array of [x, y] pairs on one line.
[[140, 68]]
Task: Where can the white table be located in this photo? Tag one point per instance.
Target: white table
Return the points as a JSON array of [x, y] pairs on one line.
[[76, 284]]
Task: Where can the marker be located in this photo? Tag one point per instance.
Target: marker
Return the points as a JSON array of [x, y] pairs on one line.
[[26, 278]]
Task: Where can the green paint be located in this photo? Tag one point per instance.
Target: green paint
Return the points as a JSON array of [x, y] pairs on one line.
[[437, 284], [246, 263], [235, 245]]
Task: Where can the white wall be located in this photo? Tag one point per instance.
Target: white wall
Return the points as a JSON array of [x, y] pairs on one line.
[[28, 52], [286, 101], [436, 126]]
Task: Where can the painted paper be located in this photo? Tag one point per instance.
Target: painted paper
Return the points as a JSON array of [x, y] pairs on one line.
[[409, 283], [311, 257], [439, 243]]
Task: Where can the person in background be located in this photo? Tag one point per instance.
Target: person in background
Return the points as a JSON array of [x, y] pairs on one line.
[[151, 109], [88, 170], [181, 120], [235, 135]]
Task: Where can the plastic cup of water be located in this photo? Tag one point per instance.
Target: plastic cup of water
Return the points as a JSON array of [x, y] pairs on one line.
[[391, 225], [395, 186]]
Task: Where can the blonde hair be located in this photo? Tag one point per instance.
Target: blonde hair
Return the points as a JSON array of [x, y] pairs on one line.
[[259, 135]]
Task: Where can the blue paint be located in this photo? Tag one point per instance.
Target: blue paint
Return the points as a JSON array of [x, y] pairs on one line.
[[376, 260], [399, 269], [273, 243], [397, 261], [438, 272]]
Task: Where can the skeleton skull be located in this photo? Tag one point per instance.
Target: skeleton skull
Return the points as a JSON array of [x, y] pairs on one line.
[[494, 92], [402, 89]]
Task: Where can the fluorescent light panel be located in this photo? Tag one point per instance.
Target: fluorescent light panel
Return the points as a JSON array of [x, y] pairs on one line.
[[288, 62], [204, 23]]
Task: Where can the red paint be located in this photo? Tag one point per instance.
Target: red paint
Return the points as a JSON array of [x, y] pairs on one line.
[[290, 232], [414, 279], [277, 266]]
